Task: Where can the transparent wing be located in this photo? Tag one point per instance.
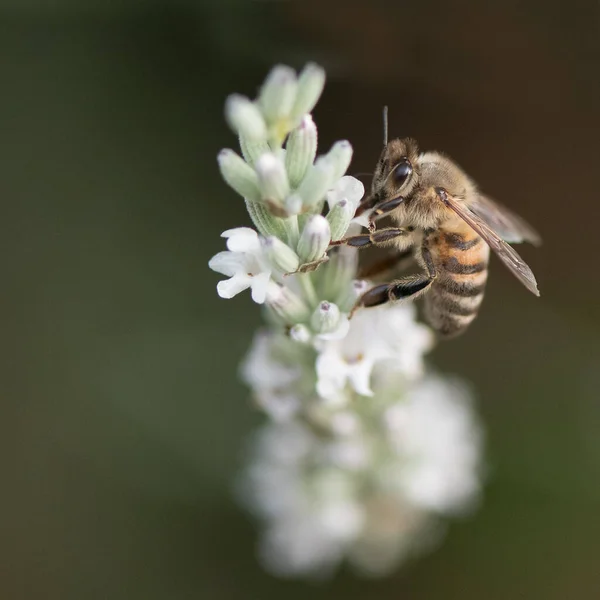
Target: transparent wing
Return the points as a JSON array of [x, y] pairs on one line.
[[506, 254], [508, 225]]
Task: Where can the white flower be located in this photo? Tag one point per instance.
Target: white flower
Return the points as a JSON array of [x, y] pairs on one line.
[[352, 190], [300, 545], [383, 334], [312, 513], [347, 188], [435, 431], [272, 380], [244, 263]]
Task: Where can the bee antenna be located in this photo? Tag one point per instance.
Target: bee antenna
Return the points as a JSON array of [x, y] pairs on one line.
[[385, 125]]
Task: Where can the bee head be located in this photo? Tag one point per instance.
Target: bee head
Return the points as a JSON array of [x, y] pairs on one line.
[[397, 170]]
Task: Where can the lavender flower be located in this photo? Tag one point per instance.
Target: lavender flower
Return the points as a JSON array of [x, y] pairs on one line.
[[365, 448]]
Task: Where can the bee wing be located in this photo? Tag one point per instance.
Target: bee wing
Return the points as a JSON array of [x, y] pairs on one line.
[[506, 254], [511, 227]]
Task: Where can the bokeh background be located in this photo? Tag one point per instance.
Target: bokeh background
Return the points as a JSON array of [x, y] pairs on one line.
[[122, 423]]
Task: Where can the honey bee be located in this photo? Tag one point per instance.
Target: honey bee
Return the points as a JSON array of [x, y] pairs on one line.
[[446, 225]]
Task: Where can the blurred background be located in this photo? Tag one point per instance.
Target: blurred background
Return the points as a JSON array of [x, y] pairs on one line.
[[121, 422]]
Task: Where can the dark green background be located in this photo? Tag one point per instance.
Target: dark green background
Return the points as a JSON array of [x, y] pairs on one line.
[[121, 421]]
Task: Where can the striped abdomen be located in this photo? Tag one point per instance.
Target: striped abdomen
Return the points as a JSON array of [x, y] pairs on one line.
[[454, 298]]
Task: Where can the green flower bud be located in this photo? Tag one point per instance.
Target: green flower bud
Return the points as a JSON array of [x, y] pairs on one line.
[[314, 239], [341, 269], [318, 180], [238, 174], [339, 218], [281, 256], [301, 150], [288, 307], [340, 156], [310, 86], [253, 150], [272, 178], [325, 318], [264, 221], [245, 118], [300, 333], [278, 93], [293, 204]]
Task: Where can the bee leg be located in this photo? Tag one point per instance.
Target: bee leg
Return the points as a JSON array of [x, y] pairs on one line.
[[394, 262], [366, 204], [382, 209], [375, 238], [407, 287]]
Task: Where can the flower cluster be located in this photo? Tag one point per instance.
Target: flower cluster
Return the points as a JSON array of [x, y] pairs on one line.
[[365, 448]]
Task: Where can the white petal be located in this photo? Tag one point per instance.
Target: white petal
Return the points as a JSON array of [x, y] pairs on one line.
[[260, 283], [331, 375], [231, 287], [362, 220], [360, 377], [242, 239], [347, 187], [227, 263]]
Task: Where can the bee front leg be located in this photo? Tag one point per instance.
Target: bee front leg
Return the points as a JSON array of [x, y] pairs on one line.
[[375, 238], [384, 208]]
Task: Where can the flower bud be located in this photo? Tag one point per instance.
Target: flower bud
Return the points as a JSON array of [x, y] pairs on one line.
[[348, 298], [272, 178], [281, 256], [301, 149], [300, 333], [278, 93], [286, 305], [264, 221], [253, 150], [339, 218], [315, 184], [293, 204], [340, 156], [314, 239], [325, 318], [245, 118], [341, 269], [310, 86], [238, 174]]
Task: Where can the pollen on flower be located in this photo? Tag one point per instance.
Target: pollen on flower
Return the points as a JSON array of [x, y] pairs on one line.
[[352, 360]]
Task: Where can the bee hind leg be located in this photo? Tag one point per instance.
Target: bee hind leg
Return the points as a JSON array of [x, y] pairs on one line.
[[401, 289], [411, 287]]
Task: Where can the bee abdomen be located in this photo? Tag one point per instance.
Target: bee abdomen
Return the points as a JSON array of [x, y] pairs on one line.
[[456, 295]]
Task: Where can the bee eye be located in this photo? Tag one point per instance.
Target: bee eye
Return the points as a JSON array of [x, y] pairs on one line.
[[402, 171]]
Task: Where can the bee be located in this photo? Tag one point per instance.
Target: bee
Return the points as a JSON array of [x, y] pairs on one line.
[[442, 221]]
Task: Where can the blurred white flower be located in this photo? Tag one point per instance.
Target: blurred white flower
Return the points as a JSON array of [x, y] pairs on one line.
[[371, 495], [270, 379], [435, 431], [385, 334], [244, 263]]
